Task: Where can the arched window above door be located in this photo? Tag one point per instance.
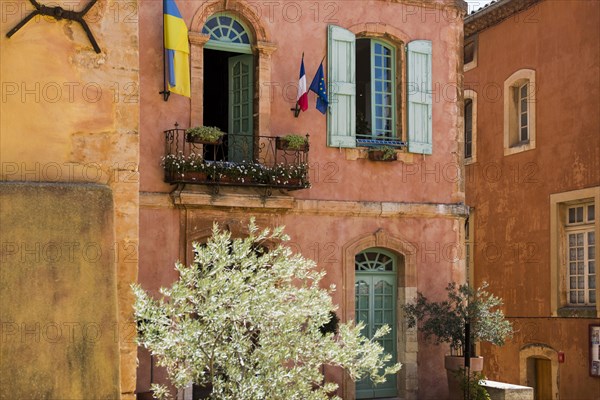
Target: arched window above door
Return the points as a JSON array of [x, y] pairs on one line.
[[227, 33], [374, 260]]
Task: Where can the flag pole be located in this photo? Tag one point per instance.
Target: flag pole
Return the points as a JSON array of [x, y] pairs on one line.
[[165, 92], [296, 108]]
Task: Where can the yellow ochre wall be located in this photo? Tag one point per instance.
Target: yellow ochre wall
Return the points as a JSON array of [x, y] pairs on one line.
[[70, 117]]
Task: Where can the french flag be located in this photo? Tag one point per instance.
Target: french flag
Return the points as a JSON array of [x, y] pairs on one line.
[[302, 98]]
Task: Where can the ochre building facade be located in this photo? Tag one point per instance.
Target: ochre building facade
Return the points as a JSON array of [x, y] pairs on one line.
[[532, 178]]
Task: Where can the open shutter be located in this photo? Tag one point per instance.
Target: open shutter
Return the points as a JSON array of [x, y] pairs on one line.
[[419, 89], [341, 129]]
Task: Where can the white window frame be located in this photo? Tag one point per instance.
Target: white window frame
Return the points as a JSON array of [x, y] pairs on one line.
[[523, 101], [583, 227], [559, 205], [415, 106], [512, 112], [396, 106]]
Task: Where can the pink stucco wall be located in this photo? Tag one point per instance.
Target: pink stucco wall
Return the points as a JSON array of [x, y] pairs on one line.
[[323, 234]]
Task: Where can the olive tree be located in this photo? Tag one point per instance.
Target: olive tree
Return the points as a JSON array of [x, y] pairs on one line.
[[248, 318]]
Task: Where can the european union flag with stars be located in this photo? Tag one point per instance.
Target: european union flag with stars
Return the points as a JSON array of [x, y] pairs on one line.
[[319, 86]]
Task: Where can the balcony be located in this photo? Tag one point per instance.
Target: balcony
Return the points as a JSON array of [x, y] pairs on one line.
[[257, 161]]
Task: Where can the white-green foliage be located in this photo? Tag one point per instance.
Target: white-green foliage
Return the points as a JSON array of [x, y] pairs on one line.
[[246, 320]]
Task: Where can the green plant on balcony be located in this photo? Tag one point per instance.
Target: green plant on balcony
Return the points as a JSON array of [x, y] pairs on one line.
[[382, 153], [204, 134], [292, 141], [193, 167]]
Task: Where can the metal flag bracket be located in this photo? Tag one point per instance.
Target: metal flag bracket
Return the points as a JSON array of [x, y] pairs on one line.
[[60, 13]]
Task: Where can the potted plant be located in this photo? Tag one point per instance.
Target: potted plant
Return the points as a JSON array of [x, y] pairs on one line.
[[292, 142], [204, 135], [382, 153], [445, 321]]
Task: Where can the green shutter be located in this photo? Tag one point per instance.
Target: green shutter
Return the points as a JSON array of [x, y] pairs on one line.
[[341, 122], [240, 135], [419, 89]]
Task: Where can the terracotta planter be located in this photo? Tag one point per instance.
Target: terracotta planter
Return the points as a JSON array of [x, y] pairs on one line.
[[281, 144], [195, 176], [378, 155], [193, 139], [453, 364]]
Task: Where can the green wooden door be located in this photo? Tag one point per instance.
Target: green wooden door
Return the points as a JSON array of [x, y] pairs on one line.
[[240, 130], [375, 305]]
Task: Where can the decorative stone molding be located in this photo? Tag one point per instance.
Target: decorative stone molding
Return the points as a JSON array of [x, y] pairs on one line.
[[241, 9], [494, 14], [262, 48], [380, 30], [231, 197], [407, 344], [244, 198], [197, 42]]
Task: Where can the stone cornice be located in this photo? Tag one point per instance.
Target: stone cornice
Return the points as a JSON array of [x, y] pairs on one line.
[[198, 38], [458, 4], [494, 14], [380, 209], [255, 199], [266, 48]]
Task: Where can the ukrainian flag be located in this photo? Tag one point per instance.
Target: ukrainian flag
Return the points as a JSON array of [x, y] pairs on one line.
[[177, 49]]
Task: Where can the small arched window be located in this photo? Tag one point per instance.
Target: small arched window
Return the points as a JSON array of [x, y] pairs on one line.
[[227, 33], [519, 112], [374, 261]]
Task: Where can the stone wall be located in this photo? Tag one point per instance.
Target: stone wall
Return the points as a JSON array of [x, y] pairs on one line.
[[71, 115], [59, 292]]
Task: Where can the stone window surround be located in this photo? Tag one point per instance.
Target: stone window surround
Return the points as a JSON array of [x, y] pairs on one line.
[[474, 40], [407, 348], [558, 207], [471, 94], [262, 49], [511, 131], [398, 39]]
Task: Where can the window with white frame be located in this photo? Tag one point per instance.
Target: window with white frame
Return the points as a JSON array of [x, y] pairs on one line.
[[364, 76], [375, 90], [523, 100], [581, 254], [574, 227], [519, 112]]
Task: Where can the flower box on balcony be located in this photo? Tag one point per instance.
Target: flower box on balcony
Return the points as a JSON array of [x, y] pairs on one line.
[[383, 153], [292, 142], [204, 135]]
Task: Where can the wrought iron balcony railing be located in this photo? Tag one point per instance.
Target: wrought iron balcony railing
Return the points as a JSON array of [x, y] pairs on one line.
[[235, 160]]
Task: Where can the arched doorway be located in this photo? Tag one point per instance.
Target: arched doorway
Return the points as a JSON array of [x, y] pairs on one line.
[[539, 370], [229, 85], [375, 305]]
